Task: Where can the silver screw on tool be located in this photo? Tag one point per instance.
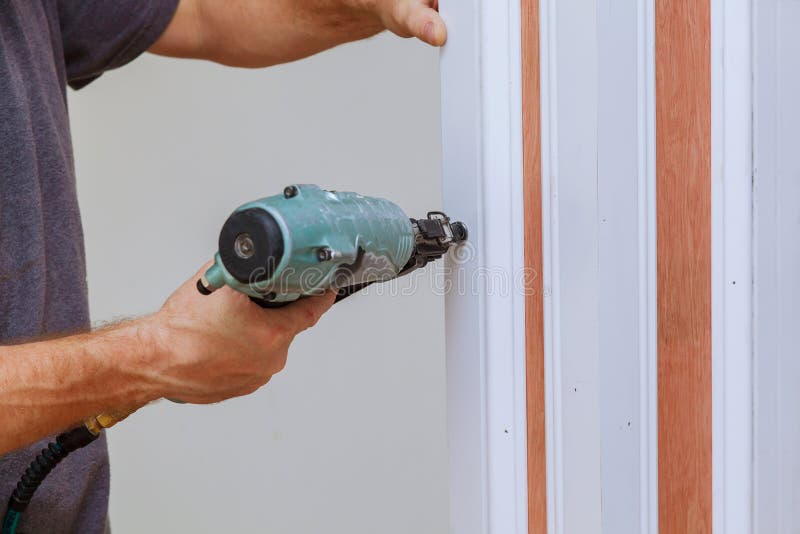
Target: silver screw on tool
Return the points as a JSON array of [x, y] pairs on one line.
[[244, 246], [290, 191], [324, 254]]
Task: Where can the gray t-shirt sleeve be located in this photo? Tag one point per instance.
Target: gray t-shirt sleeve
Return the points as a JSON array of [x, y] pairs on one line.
[[99, 35]]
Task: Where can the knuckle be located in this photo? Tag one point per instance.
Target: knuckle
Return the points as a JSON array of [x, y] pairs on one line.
[[252, 388], [397, 11], [281, 333], [310, 318], [401, 13], [279, 362]]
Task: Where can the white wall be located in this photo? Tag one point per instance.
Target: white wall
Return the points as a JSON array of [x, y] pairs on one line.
[[351, 437]]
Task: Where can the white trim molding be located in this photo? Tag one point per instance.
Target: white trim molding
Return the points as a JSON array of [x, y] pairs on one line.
[[599, 212], [731, 266], [485, 329]]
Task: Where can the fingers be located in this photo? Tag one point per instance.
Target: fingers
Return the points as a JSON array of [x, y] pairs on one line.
[[424, 23], [305, 312]]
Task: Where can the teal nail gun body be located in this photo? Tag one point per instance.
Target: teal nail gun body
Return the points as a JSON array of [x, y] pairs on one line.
[[309, 240]]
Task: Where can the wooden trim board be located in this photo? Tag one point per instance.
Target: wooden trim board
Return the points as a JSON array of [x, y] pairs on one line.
[[683, 192], [534, 307]]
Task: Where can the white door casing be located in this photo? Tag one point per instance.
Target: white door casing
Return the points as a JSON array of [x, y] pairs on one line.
[[485, 330]]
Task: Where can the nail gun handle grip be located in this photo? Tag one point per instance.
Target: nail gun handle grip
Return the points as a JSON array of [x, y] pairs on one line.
[[341, 294], [269, 304]]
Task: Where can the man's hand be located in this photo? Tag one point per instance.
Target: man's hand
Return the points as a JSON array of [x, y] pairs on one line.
[[196, 348], [223, 345], [260, 33]]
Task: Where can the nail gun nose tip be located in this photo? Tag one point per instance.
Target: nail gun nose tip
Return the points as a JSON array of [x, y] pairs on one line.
[[460, 232]]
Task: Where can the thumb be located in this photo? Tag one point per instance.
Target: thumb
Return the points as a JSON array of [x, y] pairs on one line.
[[424, 23]]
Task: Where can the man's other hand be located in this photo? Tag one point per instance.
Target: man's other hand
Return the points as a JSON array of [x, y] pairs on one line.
[[260, 33], [412, 18]]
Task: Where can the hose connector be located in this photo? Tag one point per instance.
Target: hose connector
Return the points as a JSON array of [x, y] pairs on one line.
[[97, 423]]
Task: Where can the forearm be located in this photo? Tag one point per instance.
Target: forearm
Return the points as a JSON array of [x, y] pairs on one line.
[[48, 386], [260, 33]]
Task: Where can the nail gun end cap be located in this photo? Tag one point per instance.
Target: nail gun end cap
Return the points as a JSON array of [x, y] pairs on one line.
[[251, 245]]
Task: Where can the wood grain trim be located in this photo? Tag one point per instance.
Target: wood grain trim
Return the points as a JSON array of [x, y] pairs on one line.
[[534, 306], [683, 189]]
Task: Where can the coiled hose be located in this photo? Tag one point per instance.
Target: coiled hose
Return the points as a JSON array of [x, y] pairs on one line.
[[66, 443], [40, 467]]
